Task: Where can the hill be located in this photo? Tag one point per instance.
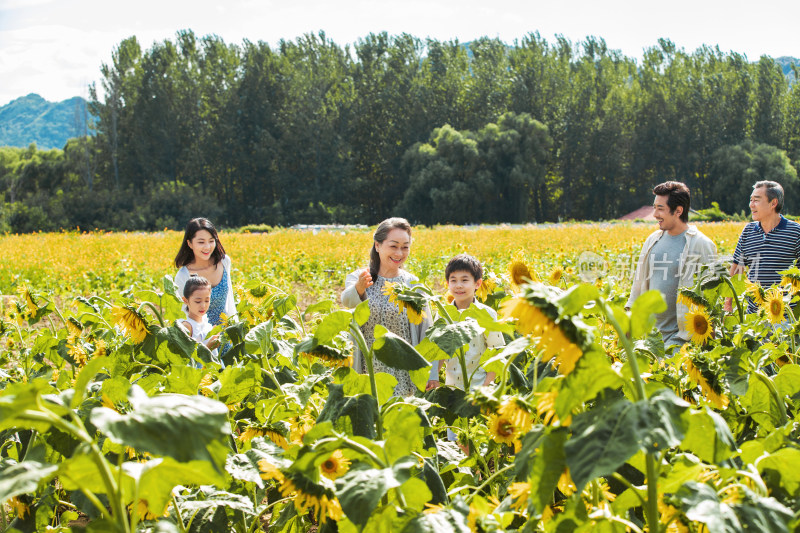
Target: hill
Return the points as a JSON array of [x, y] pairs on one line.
[[786, 65], [32, 119]]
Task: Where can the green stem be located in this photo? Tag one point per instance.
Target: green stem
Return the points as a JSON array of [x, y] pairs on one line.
[[358, 335], [629, 485], [89, 313], [650, 459], [264, 510], [735, 297], [155, 311], [45, 415], [181, 525], [442, 312], [504, 379], [271, 374], [489, 480], [95, 297], [462, 360]]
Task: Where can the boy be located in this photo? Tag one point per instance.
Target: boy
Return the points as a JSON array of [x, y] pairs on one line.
[[464, 275]]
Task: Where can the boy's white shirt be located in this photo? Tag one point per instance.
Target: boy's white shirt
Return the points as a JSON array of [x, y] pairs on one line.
[[472, 357]]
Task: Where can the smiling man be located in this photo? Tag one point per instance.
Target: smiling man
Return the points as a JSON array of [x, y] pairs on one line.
[[768, 244], [670, 258]]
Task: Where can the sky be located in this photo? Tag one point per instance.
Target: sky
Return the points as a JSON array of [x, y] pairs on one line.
[[55, 47]]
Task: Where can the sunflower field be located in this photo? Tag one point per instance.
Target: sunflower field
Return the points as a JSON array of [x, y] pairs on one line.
[[113, 419]]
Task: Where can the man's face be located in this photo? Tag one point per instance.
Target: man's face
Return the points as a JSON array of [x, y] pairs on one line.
[[666, 221], [760, 206]]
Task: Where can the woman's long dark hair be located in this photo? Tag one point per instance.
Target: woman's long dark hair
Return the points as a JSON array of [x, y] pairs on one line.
[[381, 232], [186, 255]]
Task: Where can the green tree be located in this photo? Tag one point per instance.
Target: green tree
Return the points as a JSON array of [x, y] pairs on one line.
[[445, 185], [736, 168]]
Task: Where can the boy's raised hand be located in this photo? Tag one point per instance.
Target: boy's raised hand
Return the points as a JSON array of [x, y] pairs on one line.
[[432, 384], [364, 281]]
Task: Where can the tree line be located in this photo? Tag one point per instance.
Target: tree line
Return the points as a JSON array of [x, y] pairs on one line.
[[309, 131]]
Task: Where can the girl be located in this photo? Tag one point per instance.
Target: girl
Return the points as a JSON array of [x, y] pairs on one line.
[[197, 297], [390, 249], [202, 254]]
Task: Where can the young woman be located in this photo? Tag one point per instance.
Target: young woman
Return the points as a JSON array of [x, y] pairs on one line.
[[202, 254], [390, 249]]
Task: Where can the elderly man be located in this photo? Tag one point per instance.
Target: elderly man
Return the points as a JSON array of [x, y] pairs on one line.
[[670, 258], [768, 244]]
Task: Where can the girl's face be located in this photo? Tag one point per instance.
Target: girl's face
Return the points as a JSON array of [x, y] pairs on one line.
[[393, 251], [198, 303], [202, 244]]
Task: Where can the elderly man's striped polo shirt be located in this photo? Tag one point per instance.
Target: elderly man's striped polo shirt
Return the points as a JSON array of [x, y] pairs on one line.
[[766, 254]]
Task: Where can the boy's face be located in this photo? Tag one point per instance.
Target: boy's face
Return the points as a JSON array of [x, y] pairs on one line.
[[462, 286], [198, 303]]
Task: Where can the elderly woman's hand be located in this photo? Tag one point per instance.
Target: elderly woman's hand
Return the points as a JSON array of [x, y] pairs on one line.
[[364, 281]]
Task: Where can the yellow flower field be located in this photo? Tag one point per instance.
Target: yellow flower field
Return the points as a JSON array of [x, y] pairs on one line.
[[316, 263]]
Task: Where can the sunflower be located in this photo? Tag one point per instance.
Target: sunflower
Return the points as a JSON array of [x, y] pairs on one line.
[[791, 277], [334, 466], [301, 425], [277, 433], [530, 319], [406, 300], [74, 327], [19, 507], [773, 305], [565, 483], [487, 287], [432, 508], [519, 272], [706, 379], [516, 410], [698, 324], [755, 291], [269, 471], [99, 348], [205, 385], [546, 408], [131, 322], [689, 298], [556, 274], [145, 513], [449, 296], [566, 352], [473, 516], [520, 492], [26, 295], [502, 429], [78, 354], [334, 358], [308, 496]]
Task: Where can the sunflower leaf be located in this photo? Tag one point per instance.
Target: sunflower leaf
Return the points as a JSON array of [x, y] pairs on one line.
[[23, 478], [183, 427], [643, 312], [708, 436], [607, 436], [392, 350], [332, 325], [361, 488]]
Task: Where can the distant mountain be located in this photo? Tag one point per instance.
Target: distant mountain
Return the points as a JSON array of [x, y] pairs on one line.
[[32, 119], [786, 64]]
